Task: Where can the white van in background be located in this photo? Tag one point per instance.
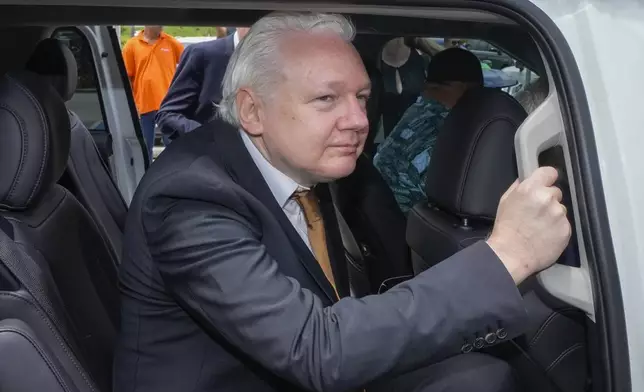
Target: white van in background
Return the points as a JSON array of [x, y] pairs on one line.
[[187, 41]]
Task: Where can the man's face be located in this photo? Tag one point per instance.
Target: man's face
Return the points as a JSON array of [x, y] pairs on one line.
[[314, 125], [153, 31]]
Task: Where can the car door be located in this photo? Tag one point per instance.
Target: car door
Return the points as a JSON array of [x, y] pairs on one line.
[[586, 128], [104, 102]]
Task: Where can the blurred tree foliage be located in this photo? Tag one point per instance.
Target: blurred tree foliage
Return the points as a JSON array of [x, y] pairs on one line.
[[177, 31]]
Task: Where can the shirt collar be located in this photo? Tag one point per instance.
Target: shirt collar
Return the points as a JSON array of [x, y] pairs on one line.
[[235, 39], [281, 185]]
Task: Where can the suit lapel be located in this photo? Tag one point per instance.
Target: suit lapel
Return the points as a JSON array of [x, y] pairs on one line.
[[240, 165], [333, 240]]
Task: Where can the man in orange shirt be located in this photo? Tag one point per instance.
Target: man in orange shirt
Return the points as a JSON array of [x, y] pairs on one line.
[[151, 58]]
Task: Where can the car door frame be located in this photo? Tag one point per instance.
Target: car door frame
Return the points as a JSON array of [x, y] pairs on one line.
[[612, 343], [130, 158]]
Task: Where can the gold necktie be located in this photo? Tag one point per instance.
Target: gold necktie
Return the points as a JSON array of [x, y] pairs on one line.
[[316, 233]]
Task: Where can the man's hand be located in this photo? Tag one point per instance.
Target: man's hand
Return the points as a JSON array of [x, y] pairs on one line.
[[531, 229]]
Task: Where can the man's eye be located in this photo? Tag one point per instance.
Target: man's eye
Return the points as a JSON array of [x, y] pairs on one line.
[[326, 98], [363, 97]]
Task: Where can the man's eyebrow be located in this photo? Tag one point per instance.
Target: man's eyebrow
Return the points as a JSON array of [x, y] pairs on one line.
[[367, 86], [340, 85]]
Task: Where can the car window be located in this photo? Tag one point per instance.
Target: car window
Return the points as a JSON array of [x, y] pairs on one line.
[[492, 60], [87, 102]]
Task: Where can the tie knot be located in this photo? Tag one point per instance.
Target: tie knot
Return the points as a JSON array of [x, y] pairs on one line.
[[307, 201], [301, 194]]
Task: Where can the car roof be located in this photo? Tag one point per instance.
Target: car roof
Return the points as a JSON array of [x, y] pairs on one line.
[[376, 18]]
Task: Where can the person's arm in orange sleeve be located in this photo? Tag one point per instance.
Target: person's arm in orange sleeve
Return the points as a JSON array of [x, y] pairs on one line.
[[129, 60]]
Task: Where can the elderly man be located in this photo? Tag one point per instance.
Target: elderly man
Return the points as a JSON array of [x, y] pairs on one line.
[[234, 277]]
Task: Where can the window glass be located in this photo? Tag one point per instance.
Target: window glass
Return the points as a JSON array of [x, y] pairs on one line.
[[493, 61], [86, 102]]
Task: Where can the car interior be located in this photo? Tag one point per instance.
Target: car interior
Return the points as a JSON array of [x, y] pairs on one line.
[[62, 213]]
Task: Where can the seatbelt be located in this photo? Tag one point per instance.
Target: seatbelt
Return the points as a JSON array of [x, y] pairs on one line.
[[21, 266], [353, 250], [25, 270], [351, 247], [348, 240]]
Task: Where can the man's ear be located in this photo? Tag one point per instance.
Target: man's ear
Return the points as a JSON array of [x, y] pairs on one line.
[[249, 108]]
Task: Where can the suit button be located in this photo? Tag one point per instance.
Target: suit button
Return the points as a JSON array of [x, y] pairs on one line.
[[490, 338], [501, 333], [466, 348], [479, 343]]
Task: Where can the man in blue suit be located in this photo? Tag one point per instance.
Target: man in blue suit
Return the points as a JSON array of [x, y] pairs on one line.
[[196, 87]]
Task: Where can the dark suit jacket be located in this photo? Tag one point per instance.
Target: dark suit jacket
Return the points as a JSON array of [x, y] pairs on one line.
[[219, 292], [195, 88]]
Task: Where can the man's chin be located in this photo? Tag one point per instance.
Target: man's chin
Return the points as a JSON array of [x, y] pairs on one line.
[[337, 172]]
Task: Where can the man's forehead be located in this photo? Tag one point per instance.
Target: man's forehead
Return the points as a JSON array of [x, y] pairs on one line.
[[300, 46], [323, 59]]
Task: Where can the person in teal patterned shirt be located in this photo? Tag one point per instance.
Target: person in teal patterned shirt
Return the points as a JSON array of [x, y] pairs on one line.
[[404, 156]]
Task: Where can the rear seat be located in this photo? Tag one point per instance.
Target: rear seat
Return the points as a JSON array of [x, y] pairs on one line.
[[472, 165], [34, 330], [87, 175], [26, 364], [46, 219]]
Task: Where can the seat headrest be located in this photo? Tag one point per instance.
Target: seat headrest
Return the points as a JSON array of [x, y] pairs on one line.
[[473, 162], [34, 139], [53, 59]]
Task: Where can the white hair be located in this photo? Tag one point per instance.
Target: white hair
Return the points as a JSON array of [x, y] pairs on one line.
[[255, 62]]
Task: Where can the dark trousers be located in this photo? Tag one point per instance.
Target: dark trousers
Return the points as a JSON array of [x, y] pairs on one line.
[[463, 373], [147, 127]]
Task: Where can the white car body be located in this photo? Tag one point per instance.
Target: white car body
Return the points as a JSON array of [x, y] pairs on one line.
[[607, 42], [187, 41]]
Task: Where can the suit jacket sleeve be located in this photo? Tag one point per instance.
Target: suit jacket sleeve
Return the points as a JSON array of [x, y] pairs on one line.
[[213, 262], [175, 116]]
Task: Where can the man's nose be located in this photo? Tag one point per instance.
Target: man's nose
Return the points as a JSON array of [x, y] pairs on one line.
[[355, 116]]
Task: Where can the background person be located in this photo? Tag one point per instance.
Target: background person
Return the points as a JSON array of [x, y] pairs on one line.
[[403, 157], [150, 59], [196, 88]]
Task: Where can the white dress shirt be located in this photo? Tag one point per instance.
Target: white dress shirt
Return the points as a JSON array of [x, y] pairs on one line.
[[235, 39], [282, 187]]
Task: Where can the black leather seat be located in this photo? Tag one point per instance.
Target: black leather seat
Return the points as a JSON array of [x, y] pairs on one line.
[[47, 219], [35, 330], [27, 365], [472, 165], [87, 175], [378, 225]]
